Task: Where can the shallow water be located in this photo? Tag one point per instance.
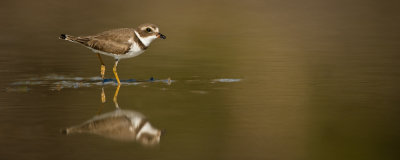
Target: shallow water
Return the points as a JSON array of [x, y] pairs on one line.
[[233, 80]]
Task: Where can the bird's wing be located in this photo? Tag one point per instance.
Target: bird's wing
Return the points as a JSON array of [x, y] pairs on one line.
[[115, 41]]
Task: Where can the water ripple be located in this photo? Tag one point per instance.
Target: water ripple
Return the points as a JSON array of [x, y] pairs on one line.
[[59, 82]]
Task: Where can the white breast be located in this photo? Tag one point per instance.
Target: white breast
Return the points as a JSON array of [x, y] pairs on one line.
[[134, 50]]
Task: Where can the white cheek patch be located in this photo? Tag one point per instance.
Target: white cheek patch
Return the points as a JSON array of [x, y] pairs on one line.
[[147, 128], [146, 40]]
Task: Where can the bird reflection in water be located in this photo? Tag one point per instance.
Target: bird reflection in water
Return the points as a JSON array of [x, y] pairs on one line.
[[123, 125]]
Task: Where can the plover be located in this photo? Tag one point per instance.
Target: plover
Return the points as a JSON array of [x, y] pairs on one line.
[[118, 43], [124, 125]]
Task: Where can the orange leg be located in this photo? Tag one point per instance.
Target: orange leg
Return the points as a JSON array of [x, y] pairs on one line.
[[115, 71], [103, 96], [102, 67], [103, 101], [116, 96]]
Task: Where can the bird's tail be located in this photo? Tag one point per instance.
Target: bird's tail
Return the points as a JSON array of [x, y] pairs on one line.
[[81, 40], [67, 37], [65, 131]]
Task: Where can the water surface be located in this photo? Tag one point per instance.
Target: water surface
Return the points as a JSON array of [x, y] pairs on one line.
[[233, 80]]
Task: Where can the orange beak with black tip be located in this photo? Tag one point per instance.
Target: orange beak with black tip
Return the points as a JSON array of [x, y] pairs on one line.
[[159, 35]]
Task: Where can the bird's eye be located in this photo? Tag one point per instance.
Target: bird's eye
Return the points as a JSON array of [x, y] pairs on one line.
[[148, 29]]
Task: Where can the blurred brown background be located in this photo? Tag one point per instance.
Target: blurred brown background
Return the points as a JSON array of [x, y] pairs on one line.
[[319, 79]]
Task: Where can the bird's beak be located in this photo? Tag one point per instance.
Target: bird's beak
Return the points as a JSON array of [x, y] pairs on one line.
[[159, 35]]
